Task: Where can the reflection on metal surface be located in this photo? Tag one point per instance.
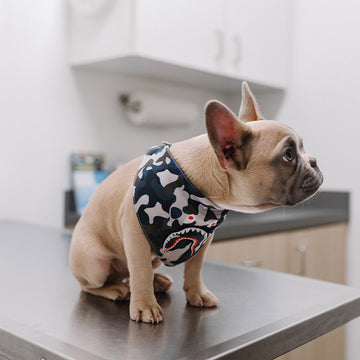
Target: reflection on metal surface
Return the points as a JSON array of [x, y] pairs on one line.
[[261, 312]]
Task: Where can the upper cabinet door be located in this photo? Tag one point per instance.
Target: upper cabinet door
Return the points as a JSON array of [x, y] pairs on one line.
[[259, 39], [184, 32], [212, 43]]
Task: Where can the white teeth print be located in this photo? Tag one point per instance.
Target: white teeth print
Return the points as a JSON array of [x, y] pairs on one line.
[[183, 232], [172, 253]]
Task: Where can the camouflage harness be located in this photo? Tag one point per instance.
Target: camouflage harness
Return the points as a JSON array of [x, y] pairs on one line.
[[175, 217]]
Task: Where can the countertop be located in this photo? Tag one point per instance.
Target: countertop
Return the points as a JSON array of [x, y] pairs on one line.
[[263, 314], [326, 207]]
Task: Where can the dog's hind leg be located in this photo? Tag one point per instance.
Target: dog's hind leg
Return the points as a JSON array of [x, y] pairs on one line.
[[96, 270], [112, 291]]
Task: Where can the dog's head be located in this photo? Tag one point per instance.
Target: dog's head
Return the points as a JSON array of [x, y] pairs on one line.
[[265, 160]]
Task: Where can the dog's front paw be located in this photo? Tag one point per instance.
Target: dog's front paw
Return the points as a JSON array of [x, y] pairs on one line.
[[146, 311], [201, 297]]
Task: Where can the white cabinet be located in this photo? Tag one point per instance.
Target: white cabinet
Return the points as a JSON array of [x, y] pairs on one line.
[[182, 32], [213, 43], [258, 35], [318, 252]]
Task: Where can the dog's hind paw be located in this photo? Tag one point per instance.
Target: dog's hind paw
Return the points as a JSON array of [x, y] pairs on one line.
[[162, 283], [115, 292]]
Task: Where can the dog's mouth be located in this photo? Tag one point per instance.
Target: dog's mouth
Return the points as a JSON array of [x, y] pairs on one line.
[[308, 187], [311, 183]]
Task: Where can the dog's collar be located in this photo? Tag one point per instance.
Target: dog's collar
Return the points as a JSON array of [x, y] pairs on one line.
[[175, 216]]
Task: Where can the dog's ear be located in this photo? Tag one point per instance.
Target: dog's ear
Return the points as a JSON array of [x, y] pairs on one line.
[[228, 136], [249, 110]]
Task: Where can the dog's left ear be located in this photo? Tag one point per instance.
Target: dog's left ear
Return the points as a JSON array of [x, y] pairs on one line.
[[228, 136], [249, 110]]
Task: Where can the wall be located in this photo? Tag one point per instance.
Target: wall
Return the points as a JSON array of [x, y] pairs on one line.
[[48, 110], [322, 104]]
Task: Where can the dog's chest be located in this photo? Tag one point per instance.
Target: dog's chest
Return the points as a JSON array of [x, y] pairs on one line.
[[175, 217]]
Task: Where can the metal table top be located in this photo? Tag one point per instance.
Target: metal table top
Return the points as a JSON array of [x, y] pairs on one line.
[[44, 315]]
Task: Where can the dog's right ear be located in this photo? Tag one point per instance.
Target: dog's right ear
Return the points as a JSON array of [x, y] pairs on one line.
[[228, 136], [249, 110]]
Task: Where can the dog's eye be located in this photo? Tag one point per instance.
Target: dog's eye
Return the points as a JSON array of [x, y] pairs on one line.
[[288, 155]]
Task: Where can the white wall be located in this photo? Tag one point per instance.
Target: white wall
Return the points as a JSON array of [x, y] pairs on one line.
[[48, 110], [323, 105]]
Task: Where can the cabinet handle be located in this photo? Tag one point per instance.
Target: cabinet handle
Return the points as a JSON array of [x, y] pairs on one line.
[[220, 40], [237, 45], [302, 249], [252, 263]]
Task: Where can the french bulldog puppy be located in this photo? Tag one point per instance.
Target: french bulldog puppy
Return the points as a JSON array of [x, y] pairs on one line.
[[164, 207]]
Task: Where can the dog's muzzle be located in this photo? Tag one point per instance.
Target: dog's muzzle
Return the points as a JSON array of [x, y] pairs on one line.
[[307, 185], [313, 179]]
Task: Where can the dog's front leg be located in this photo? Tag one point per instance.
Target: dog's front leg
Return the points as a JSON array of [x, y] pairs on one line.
[[143, 304], [197, 294]]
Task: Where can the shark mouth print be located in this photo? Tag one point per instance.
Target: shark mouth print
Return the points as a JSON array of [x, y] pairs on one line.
[[177, 244]]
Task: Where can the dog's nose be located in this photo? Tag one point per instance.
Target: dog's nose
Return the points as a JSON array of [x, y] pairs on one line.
[[313, 162]]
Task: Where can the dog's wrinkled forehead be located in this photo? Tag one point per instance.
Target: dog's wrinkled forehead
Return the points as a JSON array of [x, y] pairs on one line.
[[276, 134]]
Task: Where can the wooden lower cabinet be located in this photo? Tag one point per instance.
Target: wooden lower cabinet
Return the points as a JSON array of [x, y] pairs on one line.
[[317, 252]]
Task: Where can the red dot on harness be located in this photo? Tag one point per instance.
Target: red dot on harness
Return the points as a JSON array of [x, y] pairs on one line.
[[191, 217], [213, 224]]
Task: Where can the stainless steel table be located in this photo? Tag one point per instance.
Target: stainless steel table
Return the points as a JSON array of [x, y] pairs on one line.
[[263, 314]]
